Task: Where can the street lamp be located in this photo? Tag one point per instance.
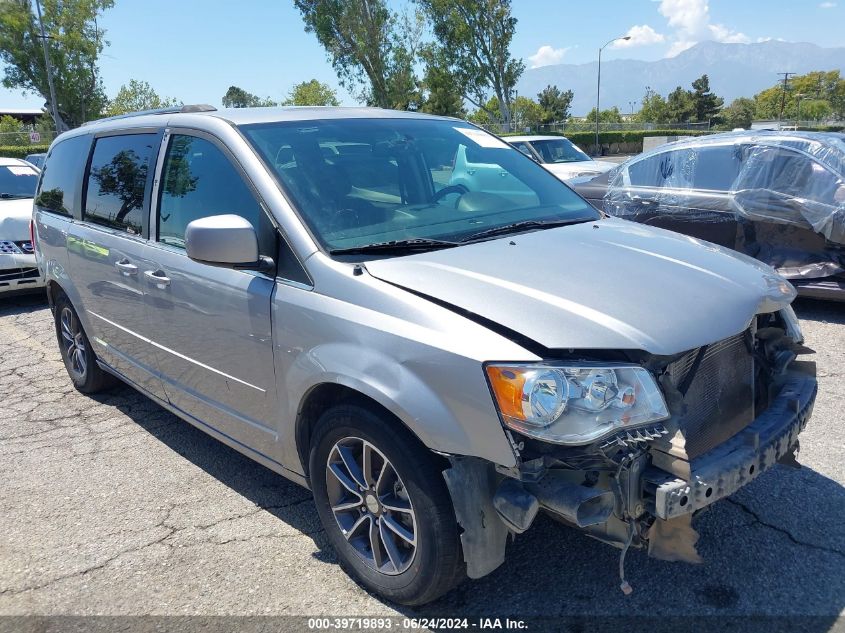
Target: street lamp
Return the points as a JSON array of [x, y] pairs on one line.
[[632, 104], [798, 97], [598, 85]]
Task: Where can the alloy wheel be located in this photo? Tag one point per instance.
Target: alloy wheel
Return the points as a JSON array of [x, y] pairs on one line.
[[74, 343], [371, 506]]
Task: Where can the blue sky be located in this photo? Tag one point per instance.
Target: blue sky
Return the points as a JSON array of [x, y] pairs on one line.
[[193, 50]]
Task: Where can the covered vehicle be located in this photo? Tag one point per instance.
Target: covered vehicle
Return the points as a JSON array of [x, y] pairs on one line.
[[776, 196], [560, 156], [18, 269]]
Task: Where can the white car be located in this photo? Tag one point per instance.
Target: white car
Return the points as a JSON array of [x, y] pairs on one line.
[[18, 269], [560, 156]]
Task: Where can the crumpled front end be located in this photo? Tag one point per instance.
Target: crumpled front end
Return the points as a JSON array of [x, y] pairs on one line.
[[736, 409]]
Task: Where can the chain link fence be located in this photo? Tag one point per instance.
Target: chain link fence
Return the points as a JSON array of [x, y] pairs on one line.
[[26, 137]]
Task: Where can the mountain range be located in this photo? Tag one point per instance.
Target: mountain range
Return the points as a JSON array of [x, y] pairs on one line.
[[735, 70]]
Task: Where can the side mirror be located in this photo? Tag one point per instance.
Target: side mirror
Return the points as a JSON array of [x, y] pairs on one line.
[[223, 240]]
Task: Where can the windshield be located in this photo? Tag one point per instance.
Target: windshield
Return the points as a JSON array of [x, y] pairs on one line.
[[358, 182], [559, 150], [17, 181]]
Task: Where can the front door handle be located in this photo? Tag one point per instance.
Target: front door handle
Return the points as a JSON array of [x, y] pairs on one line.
[[157, 277], [126, 268]]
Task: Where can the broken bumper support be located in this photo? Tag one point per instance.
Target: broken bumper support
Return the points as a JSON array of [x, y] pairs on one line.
[[733, 464]]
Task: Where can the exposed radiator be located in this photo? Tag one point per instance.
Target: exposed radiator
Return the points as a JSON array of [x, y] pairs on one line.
[[720, 398]]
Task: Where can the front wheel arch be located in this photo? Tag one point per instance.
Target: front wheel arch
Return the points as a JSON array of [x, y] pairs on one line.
[[322, 397]]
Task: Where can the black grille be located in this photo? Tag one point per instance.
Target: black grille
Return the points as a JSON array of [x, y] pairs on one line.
[[19, 273], [720, 396]]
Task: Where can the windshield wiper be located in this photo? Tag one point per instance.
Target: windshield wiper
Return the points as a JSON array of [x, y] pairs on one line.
[[397, 246], [14, 196], [521, 226]]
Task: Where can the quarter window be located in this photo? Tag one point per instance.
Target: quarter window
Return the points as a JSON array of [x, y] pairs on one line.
[[117, 180], [199, 181]]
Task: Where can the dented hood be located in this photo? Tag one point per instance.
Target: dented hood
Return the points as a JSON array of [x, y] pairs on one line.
[[14, 219], [609, 284]]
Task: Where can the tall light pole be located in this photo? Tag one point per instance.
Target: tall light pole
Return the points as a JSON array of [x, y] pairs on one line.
[[632, 104], [598, 86], [798, 97], [49, 68]]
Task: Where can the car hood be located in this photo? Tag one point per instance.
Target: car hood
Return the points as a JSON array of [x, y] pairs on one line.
[[588, 168], [14, 219], [608, 284]]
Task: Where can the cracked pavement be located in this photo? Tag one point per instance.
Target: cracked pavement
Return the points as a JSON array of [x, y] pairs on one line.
[[111, 505]]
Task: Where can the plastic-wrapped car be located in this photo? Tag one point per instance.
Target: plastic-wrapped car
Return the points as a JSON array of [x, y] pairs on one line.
[[777, 196]]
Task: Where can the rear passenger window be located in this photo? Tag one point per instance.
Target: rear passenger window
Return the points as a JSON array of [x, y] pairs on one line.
[[61, 176], [117, 181], [673, 169], [198, 181], [716, 168]]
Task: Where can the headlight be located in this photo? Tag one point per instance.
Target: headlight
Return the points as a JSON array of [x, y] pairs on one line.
[[576, 403]]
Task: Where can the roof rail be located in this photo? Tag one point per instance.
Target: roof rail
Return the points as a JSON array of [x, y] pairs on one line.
[[195, 107]]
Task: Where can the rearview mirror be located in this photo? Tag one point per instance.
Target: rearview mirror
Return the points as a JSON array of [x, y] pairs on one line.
[[222, 240]]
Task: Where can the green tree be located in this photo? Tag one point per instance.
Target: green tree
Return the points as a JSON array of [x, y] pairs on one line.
[[526, 113], [74, 46], [817, 86], [653, 108], [311, 93], [680, 106], [236, 97], [706, 104], [442, 92], [740, 113], [368, 47], [555, 104], [475, 36], [12, 131], [611, 115], [138, 95], [487, 114], [814, 110]]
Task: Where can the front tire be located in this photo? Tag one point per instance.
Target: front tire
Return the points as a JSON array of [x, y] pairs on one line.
[[383, 501], [77, 353]]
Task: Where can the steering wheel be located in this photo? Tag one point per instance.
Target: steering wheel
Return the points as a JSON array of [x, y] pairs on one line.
[[459, 189]]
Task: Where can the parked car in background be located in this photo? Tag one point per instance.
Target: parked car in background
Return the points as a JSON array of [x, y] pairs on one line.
[[429, 330], [560, 156], [18, 268], [776, 196], [36, 159]]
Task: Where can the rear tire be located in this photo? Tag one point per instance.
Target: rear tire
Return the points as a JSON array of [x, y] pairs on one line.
[[78, 355], [392, 526]]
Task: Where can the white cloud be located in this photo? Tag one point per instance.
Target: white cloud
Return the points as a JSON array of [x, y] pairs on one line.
[[641, 35], [691, 21], [686, 15], [721, 33], [827, 5], [547, 55]]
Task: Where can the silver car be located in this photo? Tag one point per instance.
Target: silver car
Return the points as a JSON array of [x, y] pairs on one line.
[[436, 359]]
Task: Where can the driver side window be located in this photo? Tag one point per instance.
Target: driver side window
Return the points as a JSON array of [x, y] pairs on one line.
[[199, 180]]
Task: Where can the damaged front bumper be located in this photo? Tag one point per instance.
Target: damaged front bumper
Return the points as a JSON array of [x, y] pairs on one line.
[[736, 462], [635, 504]]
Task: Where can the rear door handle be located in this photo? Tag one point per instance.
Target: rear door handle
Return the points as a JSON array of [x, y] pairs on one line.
[[126, 268], [157, 277]]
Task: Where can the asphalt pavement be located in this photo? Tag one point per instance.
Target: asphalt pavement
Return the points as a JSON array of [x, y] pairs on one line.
[[110, 505]]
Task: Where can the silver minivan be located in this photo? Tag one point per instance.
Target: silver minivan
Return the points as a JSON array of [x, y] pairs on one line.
[[438, 358]]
